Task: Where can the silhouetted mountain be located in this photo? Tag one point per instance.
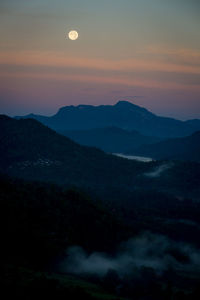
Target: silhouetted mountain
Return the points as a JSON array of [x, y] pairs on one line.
[[110, 139], [123, 115], [186, 148]]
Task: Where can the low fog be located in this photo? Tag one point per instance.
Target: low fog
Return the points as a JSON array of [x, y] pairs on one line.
[[158, 171], [147, 250]]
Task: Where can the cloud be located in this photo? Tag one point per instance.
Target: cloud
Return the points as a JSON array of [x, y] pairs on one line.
[[136, 72], [174, 55], [59, 59]]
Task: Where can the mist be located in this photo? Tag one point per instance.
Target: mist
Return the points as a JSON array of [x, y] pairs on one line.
[[148, 250], [158, 171]]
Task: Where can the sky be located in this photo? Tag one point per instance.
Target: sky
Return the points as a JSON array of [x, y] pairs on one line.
[[143, 51]]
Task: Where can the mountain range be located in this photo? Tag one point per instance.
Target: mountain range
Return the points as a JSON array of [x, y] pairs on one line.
[[123, 115], [32, 151], [185, 148], [110, 139]]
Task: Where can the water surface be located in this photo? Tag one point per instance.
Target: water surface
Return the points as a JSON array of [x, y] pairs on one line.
[[133, 157]]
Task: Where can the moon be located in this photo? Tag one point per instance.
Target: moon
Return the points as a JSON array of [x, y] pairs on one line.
[[73, 35]]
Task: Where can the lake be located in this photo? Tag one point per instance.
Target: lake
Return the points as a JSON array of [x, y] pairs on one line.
[[133, 157]]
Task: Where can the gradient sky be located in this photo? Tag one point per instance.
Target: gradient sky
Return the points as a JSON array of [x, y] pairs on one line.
[[144, 51]]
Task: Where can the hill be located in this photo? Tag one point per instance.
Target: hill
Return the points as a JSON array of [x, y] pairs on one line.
[[110, 139], [186, 148], [38, 222], [39, 219], [123, 114], [32, 151]]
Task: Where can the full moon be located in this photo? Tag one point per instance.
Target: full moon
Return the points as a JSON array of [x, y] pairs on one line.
[[73, 35]]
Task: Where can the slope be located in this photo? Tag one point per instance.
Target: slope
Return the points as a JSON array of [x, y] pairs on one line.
[[186, 148], [110, 139]]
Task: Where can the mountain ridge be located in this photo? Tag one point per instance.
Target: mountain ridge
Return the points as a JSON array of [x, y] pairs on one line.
[[110, 139], [123, 114], [183, 148]]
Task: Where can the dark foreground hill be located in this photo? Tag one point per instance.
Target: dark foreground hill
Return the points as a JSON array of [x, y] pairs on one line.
[[123, 114], [187, 148], [110, 139], [39, 220], [55, 219]]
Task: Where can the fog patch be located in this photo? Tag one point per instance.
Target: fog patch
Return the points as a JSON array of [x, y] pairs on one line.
[[147, 250], [78, 261], [158, 171]]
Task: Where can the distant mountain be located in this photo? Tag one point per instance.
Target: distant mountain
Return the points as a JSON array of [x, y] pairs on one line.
[[110, 139], [195, 123], [186, 148], [123, 115]]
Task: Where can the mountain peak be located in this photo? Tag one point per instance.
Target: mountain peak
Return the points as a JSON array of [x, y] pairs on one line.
[[65, 108], [128, 104], [124, 103]]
